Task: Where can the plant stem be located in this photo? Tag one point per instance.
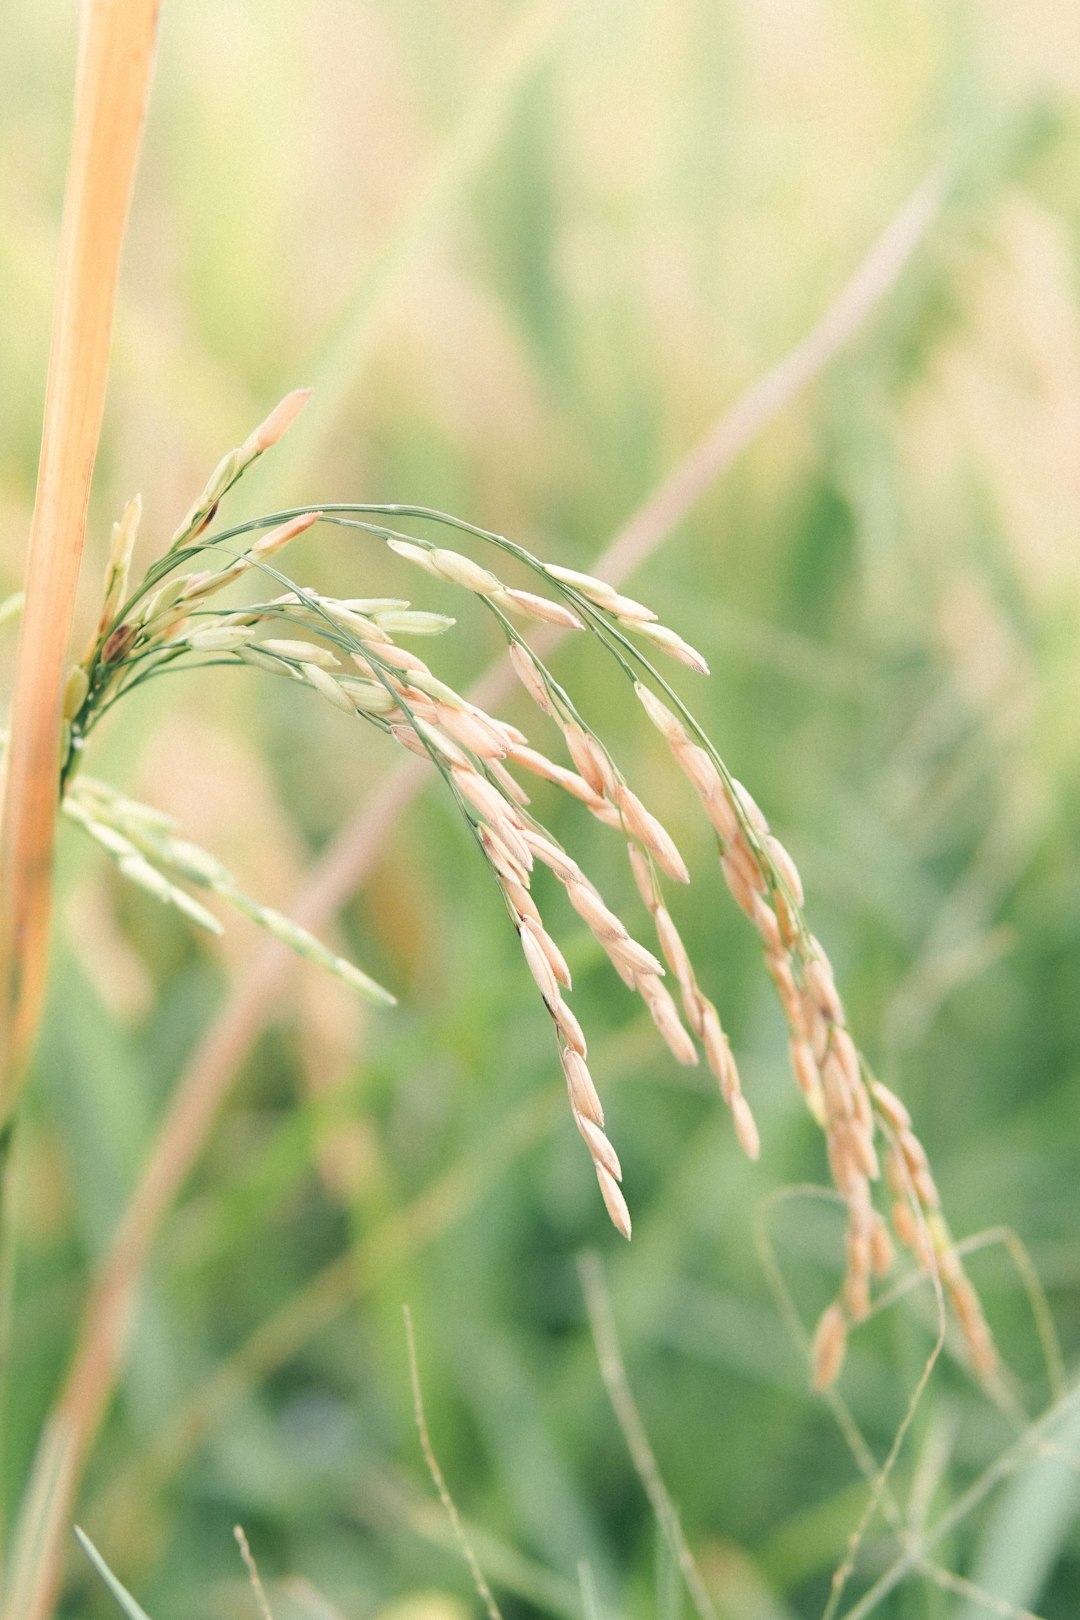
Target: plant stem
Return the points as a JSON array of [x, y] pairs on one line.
[[116, 42]]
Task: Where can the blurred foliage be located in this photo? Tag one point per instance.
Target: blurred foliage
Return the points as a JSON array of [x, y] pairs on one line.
[[526, 253]]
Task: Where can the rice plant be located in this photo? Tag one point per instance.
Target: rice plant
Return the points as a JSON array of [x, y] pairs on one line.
[[219, 594]]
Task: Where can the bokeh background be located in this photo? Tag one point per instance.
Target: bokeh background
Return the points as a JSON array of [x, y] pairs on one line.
[[526, 254]]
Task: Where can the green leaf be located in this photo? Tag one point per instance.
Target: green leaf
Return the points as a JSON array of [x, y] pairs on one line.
[[120, 1593]]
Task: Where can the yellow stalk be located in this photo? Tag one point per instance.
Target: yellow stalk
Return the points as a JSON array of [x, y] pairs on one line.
[[116, 42]]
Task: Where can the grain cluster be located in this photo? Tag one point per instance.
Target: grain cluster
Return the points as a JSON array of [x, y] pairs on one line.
[[349, 653]]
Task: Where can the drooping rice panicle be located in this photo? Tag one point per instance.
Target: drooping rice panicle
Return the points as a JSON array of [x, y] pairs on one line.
[[829, 1070], [347, 652], [766, 884]]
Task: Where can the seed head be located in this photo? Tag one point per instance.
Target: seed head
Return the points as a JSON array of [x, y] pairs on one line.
[[276, 425], [589, 758], [980, 1345], [304, 652], [745, 1126], [220, 638], [711, 790], [119, 643], [630, 612], [822, 987], [669, 727], [891, 1107], [515, 891], [786, 869], [633, 960], [881, 1248], [414, 622], [674, 645], [579, 1083], [527, 673], [540, 607], [420, 555], [368, 696], [830, 1342], [461, 570], [509, 784], [556, 960], [76, 688], [274, 539], [749, 808], [119, 565], [397, 657], [649, 831], [600, 918], [571, 1030], [538, 964], [598, 1145], [671, 944], [596, 590], [644, 878], [539, 764], [614, 1202], [472, 728], [564, 866], [328, 688], [506, 862], [718, 1053], [665, 1016]]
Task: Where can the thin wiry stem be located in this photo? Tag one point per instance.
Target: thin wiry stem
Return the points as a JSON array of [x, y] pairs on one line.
[[613, 1372], [437, 1479], [253, 1572], [351, 858], [912, 1558], [914, 1540]]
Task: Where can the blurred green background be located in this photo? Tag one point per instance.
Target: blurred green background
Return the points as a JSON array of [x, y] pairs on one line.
[[526, 254]]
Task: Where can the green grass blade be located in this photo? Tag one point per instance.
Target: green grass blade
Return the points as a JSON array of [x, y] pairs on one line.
[[1026, 1534], [123, 1597]]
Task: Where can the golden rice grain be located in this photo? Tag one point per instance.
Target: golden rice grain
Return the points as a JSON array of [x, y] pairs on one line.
[[827, 1351], [665, 1015], [598, 1145], [579, 1082], [746, 1129], [645, 827], [571, 1030], [524, 666], [614, 1202], [276, 425], [540, 607]]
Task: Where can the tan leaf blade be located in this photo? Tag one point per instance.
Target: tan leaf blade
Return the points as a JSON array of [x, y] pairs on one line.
[[112, 84]]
